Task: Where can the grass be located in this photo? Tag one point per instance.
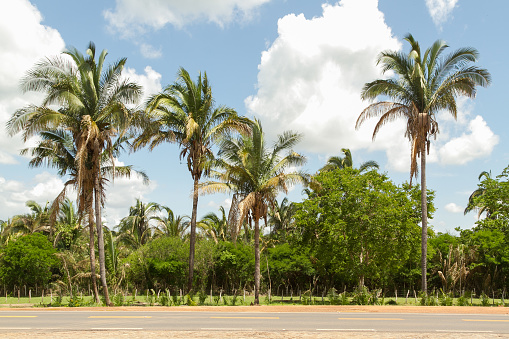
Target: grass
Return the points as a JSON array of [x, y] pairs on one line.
[[225, 300]]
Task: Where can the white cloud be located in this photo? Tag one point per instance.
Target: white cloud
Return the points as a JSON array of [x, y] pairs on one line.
[[150, 81], [121, 194], [150, 52], [43, 188], [440, 10], [467, 147], [453, 208], [133, 16], [24, 41], [310, 78]]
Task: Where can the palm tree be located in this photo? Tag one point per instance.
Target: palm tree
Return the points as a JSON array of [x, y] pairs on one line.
[[135, 229], [184, 113], [171, 225], [425, 85], [92, 106], [257, 175], [216, 227], [479, 192], [28, 223], [281, 217], [336, 162]]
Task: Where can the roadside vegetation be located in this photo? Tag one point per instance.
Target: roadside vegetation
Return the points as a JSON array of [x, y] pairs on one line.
[[357, 237]]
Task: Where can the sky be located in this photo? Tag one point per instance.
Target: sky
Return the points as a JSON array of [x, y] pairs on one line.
[[294, 64]]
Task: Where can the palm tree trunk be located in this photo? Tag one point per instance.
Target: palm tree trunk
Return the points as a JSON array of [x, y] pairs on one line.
[[257, 259], [100, 241], [192, 239], [91, 247], [424, 209]]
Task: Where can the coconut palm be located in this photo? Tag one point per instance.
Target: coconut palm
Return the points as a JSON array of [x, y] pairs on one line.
[[479, 192], [171, 225], [136, 229], [336, 162], [184, 113], [257, 175], [91, 104], [215, 227], [281, 217], [425, 85]]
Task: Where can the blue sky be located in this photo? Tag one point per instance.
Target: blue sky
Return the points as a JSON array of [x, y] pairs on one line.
[[294, 64]]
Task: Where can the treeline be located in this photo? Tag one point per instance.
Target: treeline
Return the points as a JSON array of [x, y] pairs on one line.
[[353, 229]]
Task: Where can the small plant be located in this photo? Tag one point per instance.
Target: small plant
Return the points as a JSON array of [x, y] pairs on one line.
[[164, 300], [333, 297], [175, 300], [234, 299], [202, 296], [361, 296], [74, 302], [217, 298], [428, 299], [306, 298], [118, 299], [463, 301], [485, 299], [189, 300], [445, 299], [391, 302], [225, 300]]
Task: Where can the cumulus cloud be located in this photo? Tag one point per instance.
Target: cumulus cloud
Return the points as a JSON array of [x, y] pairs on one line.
[[121, 194], [453, 208], [311, 76], [24, 41], [133, 16], [150, 80], [150, 52], [43, 188], [440, 10]]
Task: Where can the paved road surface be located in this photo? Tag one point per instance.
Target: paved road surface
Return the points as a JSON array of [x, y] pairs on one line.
[[316, 322]]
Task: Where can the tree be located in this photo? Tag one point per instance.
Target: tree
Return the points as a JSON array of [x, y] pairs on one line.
[[281, 217], [215, 227], [92, 105], [425, 85], [475, 199], [135, 229], [346, 161], [28, 261], [257, 174], [184, 113], [36, 221], [360, 225], [171, 225]]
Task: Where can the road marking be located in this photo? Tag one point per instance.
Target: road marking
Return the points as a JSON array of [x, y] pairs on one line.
[[370, 319], [489, 320], [346, 329], [119, 317], [18, 316], [226, 329], [116, 328], [244, 317], [463, 331]]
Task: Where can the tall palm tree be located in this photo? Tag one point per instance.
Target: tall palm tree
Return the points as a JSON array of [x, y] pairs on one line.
[[136, 229], [184, 113], [28, 223], [281, 217], [171, 225], [425, 85], [92, 104], [480, 191], [257, 175], [336, 162]]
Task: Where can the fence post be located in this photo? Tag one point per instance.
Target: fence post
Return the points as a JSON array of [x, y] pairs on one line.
[[30, 295], [415, 296], [396, 294], [18, 295], [406, 299]]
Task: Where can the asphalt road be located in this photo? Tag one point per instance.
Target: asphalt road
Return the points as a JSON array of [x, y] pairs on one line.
[[50, 321]]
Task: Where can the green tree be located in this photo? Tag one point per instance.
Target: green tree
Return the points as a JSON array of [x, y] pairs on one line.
[[135, 230], [184, 113], [28, 223], [425, 85], [361, 225], [216, 227], [92, 105], [171, 225], [28, 261], [257, 174], [336, 162]]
